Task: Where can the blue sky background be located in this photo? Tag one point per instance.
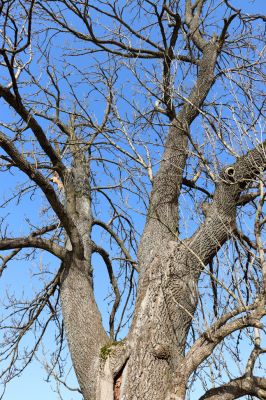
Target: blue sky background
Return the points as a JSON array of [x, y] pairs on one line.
[[31, 384]]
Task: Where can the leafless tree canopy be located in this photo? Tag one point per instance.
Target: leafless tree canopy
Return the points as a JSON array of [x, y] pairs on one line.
[[131, 136]]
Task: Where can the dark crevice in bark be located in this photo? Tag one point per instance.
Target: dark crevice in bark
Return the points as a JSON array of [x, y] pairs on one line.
[[118, 381]]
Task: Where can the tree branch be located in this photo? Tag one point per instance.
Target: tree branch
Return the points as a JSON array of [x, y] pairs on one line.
[[44, 185], [113, 281], [219, 224], [192, 20], [205, 345], [30, 241], [109, 45], [253, 386], [16, 104], [118, 241]]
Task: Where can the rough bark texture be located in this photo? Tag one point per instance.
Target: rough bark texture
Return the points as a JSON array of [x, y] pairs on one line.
[[80, 310], [237, 388], [162, 221], [167, 294], [160, 326], [149, 364], [82, 318]]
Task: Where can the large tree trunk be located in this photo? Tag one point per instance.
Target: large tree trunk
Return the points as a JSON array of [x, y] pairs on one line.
[[83, 324], [158, 335], [149, 364]]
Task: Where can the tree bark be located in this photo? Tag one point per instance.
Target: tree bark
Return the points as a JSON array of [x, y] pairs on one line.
[[167, 297], [83, 324]]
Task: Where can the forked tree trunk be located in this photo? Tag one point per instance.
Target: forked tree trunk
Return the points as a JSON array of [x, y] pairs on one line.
[[148, 364]]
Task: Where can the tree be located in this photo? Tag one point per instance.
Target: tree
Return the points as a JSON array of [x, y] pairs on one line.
[[149, 107]]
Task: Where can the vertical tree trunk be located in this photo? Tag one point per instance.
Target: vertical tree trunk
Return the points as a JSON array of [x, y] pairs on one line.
[[83, 324], [158, 335], [82, 319]]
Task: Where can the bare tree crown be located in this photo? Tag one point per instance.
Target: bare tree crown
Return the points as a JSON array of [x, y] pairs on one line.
[[140, 126]]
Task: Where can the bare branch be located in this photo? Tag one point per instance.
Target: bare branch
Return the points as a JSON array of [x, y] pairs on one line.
[[118, 241], [23, 242], [113, 281], [253, 386]]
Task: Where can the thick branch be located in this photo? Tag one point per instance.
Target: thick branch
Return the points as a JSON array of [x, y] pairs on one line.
[[193, 22], [205, 345], [219, 224], [247, 198], [23, 242], [253, 386], [16, 104], [44, 185]]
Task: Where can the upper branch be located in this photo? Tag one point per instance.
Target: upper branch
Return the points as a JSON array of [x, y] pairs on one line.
[[16, 103], [192, 20], [43, 184], [35, 242], [246, 385], [110, 45], [219, 224]]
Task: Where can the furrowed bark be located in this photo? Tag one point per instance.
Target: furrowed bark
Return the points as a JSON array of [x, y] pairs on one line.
[[168, 291], [166, 297], [220, 217], [83, 323], [82, 319], [162, 220]]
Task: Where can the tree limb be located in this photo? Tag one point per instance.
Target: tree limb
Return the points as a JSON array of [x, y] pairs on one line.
[[113, 281], [44, 185], [30, 241], [205, 345], [219, 224], [118, 241], [16, 104], [251, 385]]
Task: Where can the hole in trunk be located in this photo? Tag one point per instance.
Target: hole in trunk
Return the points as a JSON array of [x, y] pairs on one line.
[[118, 383]]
